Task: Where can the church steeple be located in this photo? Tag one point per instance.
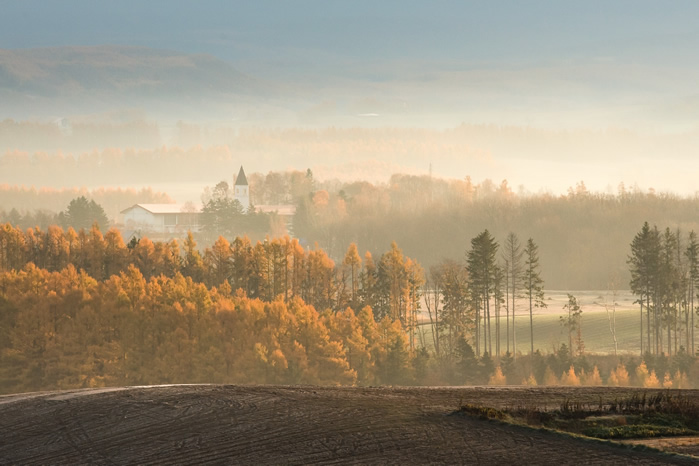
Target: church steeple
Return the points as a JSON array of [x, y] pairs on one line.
[[241, 179], [241, 189]]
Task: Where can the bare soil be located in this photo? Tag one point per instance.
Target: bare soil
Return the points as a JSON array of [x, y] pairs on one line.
[[215, 424]]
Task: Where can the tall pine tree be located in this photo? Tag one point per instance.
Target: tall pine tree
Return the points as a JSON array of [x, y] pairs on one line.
[[533, 284]]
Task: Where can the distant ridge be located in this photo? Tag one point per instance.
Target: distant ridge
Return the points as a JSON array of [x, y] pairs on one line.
[[118, 68], [85, 80]]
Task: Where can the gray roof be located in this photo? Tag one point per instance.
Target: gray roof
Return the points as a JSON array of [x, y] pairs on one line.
[[162, 208], [241, 179]]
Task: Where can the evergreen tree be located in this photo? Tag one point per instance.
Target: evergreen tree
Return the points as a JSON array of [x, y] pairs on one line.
[[643, 263], [82, 214], [572, 323], [533, 284], [455, 319], [482, 271], [692, 254]]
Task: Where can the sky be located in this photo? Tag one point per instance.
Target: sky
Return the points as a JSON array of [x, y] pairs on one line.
[[559, 65], [448, 31]]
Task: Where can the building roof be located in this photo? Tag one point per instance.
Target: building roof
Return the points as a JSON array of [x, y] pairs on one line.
[[241, 179], [281, 209], [162, 208]]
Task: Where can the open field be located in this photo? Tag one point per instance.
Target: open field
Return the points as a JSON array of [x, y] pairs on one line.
[[217, 424], [549, 333]]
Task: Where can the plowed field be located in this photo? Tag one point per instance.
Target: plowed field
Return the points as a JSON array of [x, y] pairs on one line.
[[215, 424]]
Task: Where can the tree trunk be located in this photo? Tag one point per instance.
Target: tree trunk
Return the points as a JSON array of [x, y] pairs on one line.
[[507, 309], [531, 322], [641, 327]]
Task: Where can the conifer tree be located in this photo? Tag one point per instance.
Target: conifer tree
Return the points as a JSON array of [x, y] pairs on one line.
[[572, 322], [643, 263], [533, 284], [481, 268], [692, 254]]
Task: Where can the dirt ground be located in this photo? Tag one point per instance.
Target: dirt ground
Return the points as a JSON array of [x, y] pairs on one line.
[[214, 424]]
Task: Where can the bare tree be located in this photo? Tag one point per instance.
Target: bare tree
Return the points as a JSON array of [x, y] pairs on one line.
[[533, 284], [612, 288], [512, 254]]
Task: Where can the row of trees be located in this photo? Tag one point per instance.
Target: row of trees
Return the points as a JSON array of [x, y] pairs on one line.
[[425, 215], [463, 301], [65, 330], [664, 274], [264, 270], [97, 312], [30, 207]]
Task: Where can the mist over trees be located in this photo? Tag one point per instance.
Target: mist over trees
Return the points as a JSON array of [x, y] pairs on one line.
[[32, 205], [583, 235]]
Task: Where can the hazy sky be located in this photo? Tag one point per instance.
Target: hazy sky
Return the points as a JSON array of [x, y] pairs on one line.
[[548, 64], [452, 31]]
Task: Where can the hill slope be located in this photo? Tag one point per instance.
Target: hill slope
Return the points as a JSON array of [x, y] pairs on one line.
[[297, 425]]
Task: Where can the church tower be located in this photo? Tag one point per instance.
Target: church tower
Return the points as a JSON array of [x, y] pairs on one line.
[[242, 190]]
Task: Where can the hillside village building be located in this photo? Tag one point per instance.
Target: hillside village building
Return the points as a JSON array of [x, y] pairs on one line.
[[180, 218]]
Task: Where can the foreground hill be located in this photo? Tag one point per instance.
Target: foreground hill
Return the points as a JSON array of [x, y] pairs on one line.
[[217, 424]]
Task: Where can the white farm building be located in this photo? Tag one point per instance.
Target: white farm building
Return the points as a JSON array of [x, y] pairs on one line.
[[161, 218], [180, 218]]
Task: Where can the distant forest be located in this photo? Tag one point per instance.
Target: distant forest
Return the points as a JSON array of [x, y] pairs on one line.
[[31, 207], [583, 236]]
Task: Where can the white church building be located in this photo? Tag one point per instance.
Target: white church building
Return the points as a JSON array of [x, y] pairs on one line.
[[241, 190], [180, 218]]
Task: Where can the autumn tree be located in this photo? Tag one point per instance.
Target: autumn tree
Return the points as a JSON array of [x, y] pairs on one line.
[[192, 262], [351, 265]]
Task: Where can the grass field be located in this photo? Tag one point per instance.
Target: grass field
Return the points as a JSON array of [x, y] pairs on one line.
[[596, 334]]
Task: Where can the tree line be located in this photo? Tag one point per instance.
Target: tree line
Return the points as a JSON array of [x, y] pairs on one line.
[[30, 207], [586, 234], [664, 266], [65, 329], [264, 270], [81, 309]]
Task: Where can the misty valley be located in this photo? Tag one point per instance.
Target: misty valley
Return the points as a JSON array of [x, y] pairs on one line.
[[349, 232]]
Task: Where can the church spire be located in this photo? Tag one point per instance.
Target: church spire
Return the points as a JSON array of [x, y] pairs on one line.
[[241, 189], [241, 179]]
